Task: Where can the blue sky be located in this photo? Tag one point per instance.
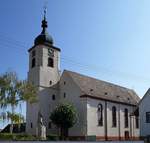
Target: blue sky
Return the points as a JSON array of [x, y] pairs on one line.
[[106, 39]]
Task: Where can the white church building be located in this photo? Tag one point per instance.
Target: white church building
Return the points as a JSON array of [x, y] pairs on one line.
[[105, 110]]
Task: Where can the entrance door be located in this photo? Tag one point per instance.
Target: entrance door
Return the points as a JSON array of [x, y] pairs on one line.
[[126, 134]]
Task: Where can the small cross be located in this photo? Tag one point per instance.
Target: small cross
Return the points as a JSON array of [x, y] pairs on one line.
[[45, 8]]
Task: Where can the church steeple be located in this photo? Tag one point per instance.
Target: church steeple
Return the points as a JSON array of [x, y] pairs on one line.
[[44, 73], [44, 37]]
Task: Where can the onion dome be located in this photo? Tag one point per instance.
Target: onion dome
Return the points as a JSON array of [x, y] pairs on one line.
[[44, 37]]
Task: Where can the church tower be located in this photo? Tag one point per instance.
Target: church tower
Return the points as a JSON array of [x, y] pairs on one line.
[[44, 73]]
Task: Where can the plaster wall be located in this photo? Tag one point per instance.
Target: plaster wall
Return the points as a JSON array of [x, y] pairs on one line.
[[92, 120], [72, 96], [144, 107]]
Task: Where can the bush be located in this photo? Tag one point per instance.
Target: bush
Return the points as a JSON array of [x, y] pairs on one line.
[[17, 137], [6, 136], [24, 137], [52, 137]]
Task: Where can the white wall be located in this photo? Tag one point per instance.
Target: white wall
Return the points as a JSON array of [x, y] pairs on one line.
[[144, 107], [73, 93], [92, 120], [40, 76]]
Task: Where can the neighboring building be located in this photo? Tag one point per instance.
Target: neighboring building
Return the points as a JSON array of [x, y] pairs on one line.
[[105, 110], [144, 114]]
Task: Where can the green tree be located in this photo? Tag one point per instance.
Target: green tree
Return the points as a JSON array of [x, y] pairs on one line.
[[13, 92], [64, 117]]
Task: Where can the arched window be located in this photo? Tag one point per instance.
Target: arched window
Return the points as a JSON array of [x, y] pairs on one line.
[[31, 125], [100, 114], [50, 125], [114, 117], [53, 97], [64, 94], [50, 82], [33, 62], [50, 62], [126, 118]]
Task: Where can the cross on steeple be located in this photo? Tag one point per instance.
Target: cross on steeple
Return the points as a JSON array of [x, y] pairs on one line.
[[45, 10], [44, 22]]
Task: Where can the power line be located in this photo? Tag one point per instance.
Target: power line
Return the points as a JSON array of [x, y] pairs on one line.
[[19, 47], [2, 45], [3, 37]]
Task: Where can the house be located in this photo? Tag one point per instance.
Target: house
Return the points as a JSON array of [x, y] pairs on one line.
[[144, 114], [105, 110]]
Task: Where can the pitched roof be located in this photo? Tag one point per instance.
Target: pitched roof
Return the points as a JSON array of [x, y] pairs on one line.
[[145, 95], [95, 88]]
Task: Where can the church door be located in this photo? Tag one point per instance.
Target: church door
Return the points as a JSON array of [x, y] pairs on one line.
[[126, 134]]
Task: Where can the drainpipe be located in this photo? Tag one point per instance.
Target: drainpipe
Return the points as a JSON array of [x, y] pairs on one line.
[[119, 122], [130, 126], [106, 138], [119, 130], [133, 126]]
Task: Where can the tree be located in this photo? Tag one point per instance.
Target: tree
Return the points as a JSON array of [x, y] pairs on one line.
[[64, 117], [13, 92]]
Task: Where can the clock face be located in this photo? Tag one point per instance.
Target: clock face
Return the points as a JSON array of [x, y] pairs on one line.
[[51, 52]]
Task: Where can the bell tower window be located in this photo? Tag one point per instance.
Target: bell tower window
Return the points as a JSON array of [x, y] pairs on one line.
[[50, 62], [33, 62], [33, 59]]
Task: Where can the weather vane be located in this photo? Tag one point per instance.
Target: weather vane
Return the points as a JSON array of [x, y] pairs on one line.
[[45, 8]]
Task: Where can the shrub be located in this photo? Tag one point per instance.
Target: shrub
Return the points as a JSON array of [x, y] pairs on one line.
[[52, 137], [6, 136], [17, 137], [24, 137]]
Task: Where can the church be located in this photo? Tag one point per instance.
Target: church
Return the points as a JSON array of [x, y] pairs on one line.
[[105, 110]]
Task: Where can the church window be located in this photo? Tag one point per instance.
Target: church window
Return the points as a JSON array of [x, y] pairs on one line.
[[50, 62], [64, 95], [33, 62], [33, 53], [147, 117], [31, 125], [50, 125], [50, 82], [137, 121], [64, 82], [126, 118], [114, 117], [100, 114], [53, 97]]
